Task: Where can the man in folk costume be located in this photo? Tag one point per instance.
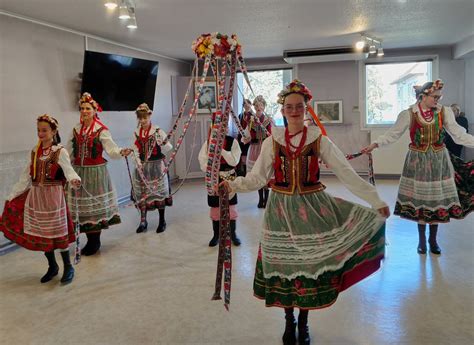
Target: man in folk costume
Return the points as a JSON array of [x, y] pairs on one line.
[[97, 199], [428, 192], [229, 159], [313, 245], [151, 190], [36, 216]]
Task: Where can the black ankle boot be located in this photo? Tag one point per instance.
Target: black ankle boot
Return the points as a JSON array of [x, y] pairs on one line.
[[261, 200], [162, 223], [53, 267], [265, 197], [235, 240], [215, 239], [303, 331], [289, 337], [94, 245], [434, 248], [68, 274], [142, 227]]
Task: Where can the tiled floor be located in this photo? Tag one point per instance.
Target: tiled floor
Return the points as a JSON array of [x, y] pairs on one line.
[[155, 288]]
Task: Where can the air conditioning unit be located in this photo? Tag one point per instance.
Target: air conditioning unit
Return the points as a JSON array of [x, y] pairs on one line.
[[323, 55]]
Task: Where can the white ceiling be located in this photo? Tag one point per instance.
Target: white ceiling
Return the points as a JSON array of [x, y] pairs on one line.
[[264, 27]]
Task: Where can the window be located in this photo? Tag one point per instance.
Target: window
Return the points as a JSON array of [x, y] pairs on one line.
[[267, 83], [389, 89]]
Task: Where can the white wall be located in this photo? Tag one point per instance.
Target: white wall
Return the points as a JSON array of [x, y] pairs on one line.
[[39, 68], [469, 102]]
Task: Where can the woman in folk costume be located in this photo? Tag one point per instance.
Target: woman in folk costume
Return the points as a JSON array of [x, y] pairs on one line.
[[96, 200], [229, 159], [155, 194], [255, 134], [427, 192], [36, 216], [313, 245], [244, 119]]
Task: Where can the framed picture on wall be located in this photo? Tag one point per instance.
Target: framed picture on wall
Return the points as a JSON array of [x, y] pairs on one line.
[[329, 111], [208, 97]]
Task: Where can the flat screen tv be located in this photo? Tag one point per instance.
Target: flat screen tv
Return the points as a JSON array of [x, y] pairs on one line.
[[119, 82]]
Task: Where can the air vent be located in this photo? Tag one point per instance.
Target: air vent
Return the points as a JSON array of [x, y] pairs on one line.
[[323, 55]]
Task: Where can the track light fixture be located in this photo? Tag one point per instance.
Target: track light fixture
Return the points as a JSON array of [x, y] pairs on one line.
[[126, 11], [370, 44]]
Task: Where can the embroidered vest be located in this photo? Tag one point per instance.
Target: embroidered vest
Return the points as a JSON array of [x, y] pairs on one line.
[[48, 170], [87, 151], [299, 175], [424, 135], [148, 147]]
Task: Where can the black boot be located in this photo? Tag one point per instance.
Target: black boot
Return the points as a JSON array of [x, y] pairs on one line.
[[289, 337], [94, 245], [162, 223], [303, 331], [421, 239], [53, 267], [260, 199], [215, 239], [68, 273], [233, 236], [266, 191], [142, 227], [434, 248]]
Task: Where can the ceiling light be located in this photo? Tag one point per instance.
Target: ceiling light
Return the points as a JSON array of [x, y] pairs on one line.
[[372, 49], [123, 11], [380, 52], [360, 44], [110, 4], [132, 22]]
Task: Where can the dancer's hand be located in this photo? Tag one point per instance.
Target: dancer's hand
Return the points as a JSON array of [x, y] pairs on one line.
[[76, 183], [125, 152], [226, 185], [246, 140], [384, 212], [370, 148]]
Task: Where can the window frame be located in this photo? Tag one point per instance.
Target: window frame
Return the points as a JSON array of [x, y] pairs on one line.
[[364, 126]]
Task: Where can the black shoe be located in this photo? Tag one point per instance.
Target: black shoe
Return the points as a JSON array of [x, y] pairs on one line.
[[421, 249], [215, 238], [161, 227], [261, 204], [94, 244], [303, 335], [142, 227], [68, 274], [435, 249], [50, 274], [233, 237]]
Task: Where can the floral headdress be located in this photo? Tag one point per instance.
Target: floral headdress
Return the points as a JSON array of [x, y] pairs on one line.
[[215, 45], [143, 109], [87, 98], [295, 86], [49, 119], [428, 88]]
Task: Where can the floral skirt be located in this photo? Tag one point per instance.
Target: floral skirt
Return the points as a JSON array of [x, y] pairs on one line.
[[428, 191], [157, 194], [57, 235], [314, 246], [96, 200]]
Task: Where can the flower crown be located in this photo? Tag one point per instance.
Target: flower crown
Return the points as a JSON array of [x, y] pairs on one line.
[[87, 98], [295, 86], [215, 45], [49, 119], [143, 108], [437, 85]]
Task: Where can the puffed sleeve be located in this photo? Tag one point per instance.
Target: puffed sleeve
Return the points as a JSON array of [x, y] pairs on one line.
[[65, 164], [261, 172], [232, 157], [23, 183], [109, 145], [202, 157], [396, 131], [168, 146], [457, 132], [338, 163]]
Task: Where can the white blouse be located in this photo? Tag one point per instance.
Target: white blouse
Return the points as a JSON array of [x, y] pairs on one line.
[[457, 132], [105, 138], [25, 179], [232, 157], [160, 136], [330, 154]]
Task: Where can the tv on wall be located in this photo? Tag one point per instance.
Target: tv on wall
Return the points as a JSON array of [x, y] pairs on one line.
[[119, 82]]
